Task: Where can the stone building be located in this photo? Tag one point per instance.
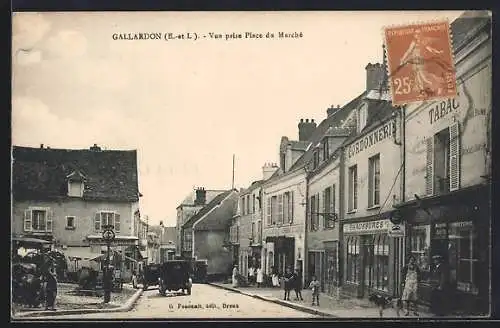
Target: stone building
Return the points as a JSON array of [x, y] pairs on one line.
[[447, 197]]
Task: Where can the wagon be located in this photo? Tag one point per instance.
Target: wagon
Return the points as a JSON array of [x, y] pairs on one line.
[[175, 275]]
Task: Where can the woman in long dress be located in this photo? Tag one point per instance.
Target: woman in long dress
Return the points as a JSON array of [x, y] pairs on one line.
[[235, 276], [275, 279], [260, 277], [411, 276]]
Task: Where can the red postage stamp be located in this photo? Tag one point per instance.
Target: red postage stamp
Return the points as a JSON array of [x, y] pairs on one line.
[[420, 62]]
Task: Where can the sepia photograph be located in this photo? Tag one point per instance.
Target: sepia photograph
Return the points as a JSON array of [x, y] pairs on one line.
[[320, 165]]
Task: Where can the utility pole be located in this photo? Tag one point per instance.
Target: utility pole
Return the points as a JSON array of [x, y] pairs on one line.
[[232, 184]]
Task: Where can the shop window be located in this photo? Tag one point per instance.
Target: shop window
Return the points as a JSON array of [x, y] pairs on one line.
[[463, 257], [353, 260], [419, 248], [381, 262]]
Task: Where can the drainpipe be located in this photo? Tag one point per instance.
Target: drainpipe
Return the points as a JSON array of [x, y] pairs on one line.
[[305, 271], [342, 193]]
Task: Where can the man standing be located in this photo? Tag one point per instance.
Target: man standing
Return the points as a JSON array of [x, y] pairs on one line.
[[298, 285], [251, 275], [288, 283], [50, 290]]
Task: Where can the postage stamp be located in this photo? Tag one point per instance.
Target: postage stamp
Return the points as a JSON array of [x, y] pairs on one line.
[[420, 62]]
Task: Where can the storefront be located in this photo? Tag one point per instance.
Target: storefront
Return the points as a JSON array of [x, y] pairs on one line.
[[455, 226], [371, 261], [281, 255]]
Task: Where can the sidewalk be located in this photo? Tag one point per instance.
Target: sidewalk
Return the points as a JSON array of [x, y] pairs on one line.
[[329, 306], [66, 303]]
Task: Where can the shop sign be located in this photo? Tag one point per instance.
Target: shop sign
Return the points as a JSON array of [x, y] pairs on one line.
[[396, 230], [367, 227]]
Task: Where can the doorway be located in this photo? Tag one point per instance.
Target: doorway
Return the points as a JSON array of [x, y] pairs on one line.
[[367, 253]]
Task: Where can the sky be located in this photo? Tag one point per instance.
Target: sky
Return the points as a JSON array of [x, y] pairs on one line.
[[187, 106]]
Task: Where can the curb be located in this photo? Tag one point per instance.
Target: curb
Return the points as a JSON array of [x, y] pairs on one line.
[[277, 301], [124, 308]]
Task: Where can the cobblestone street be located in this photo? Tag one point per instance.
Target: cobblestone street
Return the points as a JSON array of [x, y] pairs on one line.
[[205, 302]]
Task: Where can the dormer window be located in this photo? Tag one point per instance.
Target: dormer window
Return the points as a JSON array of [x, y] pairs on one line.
[[326, 150], [76, 184], [362, 117], [316, 158]]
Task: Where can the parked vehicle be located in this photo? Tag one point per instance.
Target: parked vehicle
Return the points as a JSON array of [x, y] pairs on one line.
[[175, 275], [150, 275], [200, 272]]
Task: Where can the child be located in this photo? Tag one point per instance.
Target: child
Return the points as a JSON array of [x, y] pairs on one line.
[[315, 290]]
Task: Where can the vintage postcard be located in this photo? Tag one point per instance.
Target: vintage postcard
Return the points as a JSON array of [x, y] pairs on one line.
[[279, 165]]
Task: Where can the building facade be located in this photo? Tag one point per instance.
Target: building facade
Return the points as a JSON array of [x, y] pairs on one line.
[[448, 171], [68, 196]]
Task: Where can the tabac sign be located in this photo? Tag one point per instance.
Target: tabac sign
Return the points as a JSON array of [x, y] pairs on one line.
[[367, 227]]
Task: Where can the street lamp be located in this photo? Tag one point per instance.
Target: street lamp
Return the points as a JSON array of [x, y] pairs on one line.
[[108, 235]]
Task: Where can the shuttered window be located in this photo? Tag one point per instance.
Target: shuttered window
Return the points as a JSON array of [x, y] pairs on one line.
[[353, 188], [429, 167], [290, 208], [38, 220], [268, 211], [286, 204], [107, 218], [454, 157], [280, 209]]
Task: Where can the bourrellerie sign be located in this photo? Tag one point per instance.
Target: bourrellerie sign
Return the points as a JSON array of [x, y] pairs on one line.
[[367, 227]]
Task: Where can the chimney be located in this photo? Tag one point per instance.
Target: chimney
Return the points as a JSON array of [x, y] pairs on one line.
[[332, 110], [268, 170], [201, 196], [95, 147], [375, 74], [306, 129], [41, 146]]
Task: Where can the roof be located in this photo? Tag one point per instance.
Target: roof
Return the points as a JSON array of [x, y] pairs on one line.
[[465, 26], [322, 128], [207, 208], [42, 173], [298, 144], [253, 186]]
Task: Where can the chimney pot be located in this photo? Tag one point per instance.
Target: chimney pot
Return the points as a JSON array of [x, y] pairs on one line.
[[41, 146], [312, 120], [301, 120]]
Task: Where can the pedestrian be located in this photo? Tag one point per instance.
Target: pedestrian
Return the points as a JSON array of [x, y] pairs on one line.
[[298, 285], [50, 290], [288, 281], [411, 278], [251, 275], [441, 300], [134, 280], [314, 285], [235, 276], [275, 279], [260, 277]]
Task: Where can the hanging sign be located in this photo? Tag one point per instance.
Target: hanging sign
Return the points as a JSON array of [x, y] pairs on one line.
[[396, 230]]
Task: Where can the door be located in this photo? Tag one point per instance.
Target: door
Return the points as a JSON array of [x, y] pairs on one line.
[[367, 258]]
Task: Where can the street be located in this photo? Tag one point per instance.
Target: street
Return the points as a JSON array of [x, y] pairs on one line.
[[205, 302]]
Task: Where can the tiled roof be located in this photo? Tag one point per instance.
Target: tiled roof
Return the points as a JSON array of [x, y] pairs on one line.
[[253, 186], [465, 26], [299, 145], [320, 131], [207, 208], [41, 173]]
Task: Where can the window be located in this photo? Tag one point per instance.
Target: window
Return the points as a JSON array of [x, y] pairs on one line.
[[353, 188], [380, 277], [374, 181], [274, 209], [38, 220], [70, 222], [315, 158], [329, 208], [243, 205], [75, 188], [286, 204], [268, 211], [249, 209], [420, 248], [442, 164], [253, 231], [280, 209], [353, 260], [463, 257], [259, 231], [326, 151], [187, 240], [253, 203], [290, 207], [441, 161], [314, 213], [107, 218]]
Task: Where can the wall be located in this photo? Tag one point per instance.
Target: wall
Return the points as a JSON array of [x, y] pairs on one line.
[[390, 164], [84, 211], [328, 177], [209, 246], [472, 109]]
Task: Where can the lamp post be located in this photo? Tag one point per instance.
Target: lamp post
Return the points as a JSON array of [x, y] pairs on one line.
[[108, 235]]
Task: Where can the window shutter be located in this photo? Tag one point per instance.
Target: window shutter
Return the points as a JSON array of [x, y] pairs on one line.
[[97, 222], [268, 206], [317, 211], [49, 220], [290, 208], [454, 157], [332, 200], [325, 209], [429, 167], [27, 220], [117, 222]]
